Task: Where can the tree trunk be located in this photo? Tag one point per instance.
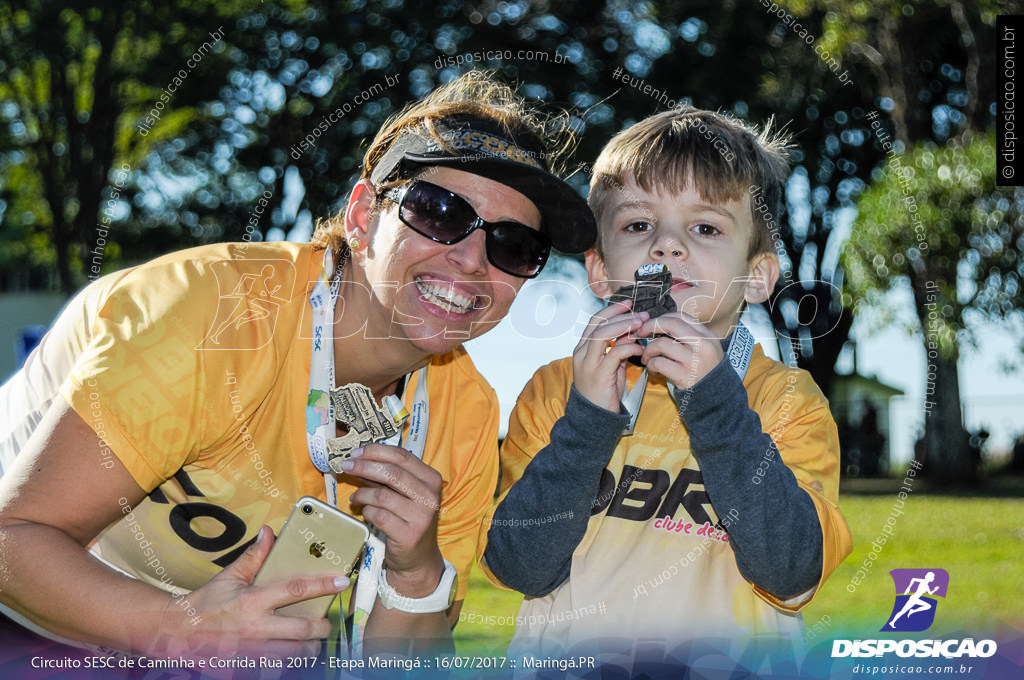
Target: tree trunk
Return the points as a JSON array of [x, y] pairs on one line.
[[948, 460], [819, 329]]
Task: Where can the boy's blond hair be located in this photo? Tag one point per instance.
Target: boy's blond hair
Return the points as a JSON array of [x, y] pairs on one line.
[[725, 158]]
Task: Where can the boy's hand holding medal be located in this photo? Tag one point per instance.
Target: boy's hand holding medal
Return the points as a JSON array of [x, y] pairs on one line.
[[676, 345], [681, 348], [599, 360]]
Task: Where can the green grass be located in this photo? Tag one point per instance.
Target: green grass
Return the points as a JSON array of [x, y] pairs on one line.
[[979, 541], [475, 633]]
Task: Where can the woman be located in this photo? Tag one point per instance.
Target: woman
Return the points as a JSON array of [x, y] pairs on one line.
[[176, 408]]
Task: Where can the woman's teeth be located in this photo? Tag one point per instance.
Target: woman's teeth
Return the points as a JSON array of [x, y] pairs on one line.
[[444, 296]]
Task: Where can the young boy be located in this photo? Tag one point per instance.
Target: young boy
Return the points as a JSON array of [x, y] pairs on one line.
[[717, 517]]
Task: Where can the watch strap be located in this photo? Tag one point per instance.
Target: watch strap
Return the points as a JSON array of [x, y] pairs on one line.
[[437, 601]]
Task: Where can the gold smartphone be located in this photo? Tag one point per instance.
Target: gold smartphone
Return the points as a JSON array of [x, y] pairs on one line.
[[316, 540]]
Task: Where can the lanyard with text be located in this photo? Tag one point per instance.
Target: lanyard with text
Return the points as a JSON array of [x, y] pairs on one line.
[[741, 348], [321, 427]]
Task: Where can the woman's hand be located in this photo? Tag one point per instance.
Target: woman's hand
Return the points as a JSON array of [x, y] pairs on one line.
[[402, 498], [233, 616], [45, 546]]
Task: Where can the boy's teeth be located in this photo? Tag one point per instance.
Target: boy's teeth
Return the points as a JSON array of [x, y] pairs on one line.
[[444, 297]]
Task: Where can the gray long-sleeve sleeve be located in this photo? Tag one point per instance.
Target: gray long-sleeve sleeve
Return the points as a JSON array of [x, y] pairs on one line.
[[525, 550], [777, 537]]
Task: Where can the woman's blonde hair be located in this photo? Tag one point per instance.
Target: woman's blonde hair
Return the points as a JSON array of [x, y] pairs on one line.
[[474, 93]]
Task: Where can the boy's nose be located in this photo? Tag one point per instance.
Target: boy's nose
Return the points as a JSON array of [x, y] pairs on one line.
[[669, 248]]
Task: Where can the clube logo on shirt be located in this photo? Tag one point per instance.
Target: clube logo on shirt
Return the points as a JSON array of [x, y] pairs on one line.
[[914, 611]]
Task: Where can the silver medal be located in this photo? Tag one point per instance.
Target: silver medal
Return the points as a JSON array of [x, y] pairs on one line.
[[367, 423]]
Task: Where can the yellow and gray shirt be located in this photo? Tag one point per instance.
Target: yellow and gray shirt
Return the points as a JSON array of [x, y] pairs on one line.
[[693, 527]]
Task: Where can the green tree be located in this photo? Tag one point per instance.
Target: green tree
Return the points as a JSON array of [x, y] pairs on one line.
[[225, 140], [931, 62], [79, 84], [74, 79], [937, 223]]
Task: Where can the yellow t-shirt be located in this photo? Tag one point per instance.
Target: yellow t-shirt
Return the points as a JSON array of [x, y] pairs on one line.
[[637, 576], [194, 371]]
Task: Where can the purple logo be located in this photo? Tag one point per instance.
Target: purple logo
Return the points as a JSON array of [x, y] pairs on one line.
[[916, 590]]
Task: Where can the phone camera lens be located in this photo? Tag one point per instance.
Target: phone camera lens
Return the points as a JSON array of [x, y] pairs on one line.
[[307, 509]]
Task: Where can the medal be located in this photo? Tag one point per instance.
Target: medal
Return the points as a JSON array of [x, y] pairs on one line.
[[650, 293], [367, 423]]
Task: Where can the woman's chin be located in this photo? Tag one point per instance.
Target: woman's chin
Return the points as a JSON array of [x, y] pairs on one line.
[[441, 342]]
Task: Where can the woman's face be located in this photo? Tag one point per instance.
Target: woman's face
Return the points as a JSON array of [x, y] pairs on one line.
[[441, 295]]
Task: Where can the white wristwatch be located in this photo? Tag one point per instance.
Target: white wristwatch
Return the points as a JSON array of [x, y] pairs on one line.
[[437, 601]]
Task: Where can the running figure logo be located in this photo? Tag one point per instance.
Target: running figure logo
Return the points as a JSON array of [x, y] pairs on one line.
[[251, 293], [916, 590]]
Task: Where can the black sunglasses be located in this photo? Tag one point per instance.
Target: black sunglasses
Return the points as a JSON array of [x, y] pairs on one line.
[[447, 218]]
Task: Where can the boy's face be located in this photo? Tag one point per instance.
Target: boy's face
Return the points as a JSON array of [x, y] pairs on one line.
[[704, 245]]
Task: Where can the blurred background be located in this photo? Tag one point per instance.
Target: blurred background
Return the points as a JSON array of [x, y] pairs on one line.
[[131, 129]]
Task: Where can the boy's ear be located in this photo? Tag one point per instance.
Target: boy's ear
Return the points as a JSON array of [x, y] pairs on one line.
[[764, 273], [358, 214], [597, 274]]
